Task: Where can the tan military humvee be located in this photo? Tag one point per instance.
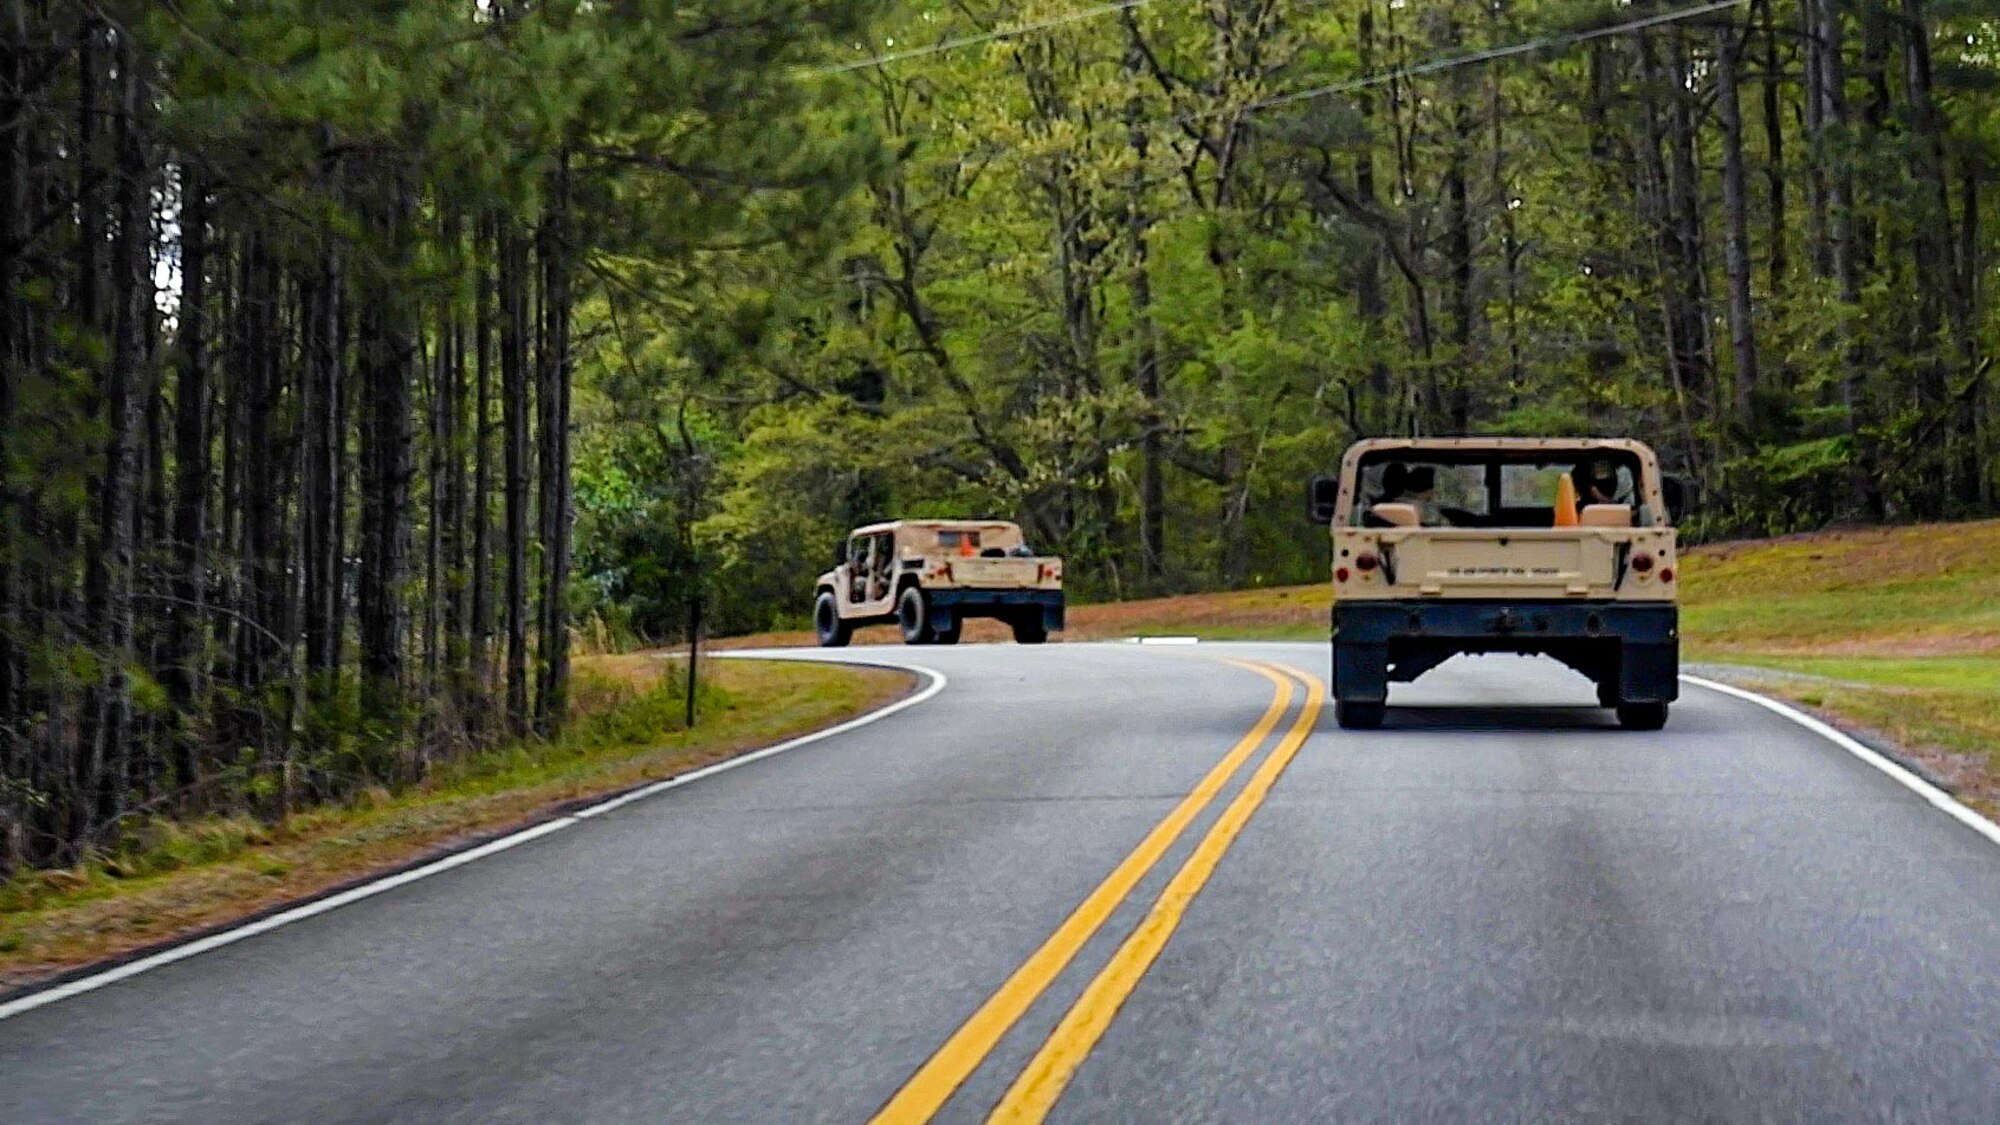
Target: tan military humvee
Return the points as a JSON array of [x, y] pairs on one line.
[[1562, 547], [928, 576]]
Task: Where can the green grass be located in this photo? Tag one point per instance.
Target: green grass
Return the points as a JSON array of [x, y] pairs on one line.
[[1964, 675], [173, 878], [1930, 590]]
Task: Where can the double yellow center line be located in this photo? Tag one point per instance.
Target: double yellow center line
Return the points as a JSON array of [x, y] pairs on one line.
[[1035, 1092]]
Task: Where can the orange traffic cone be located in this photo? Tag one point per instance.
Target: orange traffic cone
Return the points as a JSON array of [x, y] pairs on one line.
[[1566, 515]]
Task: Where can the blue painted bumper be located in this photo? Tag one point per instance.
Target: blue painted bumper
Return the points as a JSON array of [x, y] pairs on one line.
[[948, 606]]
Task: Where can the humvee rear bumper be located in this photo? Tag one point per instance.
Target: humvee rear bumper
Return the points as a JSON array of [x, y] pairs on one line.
[[950, 606], [1632, 647]]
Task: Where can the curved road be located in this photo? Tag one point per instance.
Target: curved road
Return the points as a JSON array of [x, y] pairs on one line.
[[1498, 908]]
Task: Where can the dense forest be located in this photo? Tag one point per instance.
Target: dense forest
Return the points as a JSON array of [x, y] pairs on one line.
[[289, 356], [359, 360], [1137, 272]]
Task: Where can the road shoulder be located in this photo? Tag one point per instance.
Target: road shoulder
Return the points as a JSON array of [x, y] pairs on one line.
[[1904, 728]]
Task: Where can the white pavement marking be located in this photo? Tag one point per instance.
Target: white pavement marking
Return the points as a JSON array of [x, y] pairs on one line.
[[936, 683], [1938, 798], [1163, 640]]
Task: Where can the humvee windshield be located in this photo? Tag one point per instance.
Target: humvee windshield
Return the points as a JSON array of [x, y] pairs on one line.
[[1492, 488]]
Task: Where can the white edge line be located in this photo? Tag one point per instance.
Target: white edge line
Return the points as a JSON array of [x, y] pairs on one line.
[[1936, 797], [95, 981]]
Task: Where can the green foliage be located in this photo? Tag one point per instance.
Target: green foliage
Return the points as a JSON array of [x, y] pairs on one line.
[[971, 342]]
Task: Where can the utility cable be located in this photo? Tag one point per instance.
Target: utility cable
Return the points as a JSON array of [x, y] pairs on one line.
[[1529, 46], [984, 37]]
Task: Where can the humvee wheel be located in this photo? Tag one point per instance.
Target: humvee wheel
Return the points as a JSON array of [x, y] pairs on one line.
[[1353, 714], [913, 617], [1642, 716], [1607, 695], [1029, 629], [947, 636], [833, 632]]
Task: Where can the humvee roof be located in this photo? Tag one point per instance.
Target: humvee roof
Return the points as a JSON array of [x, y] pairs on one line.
[[941, 525]]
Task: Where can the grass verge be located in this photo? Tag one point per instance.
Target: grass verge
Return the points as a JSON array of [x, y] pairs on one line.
[[180, 879], [1893, 633]]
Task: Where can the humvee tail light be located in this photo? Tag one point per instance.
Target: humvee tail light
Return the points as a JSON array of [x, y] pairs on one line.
[[1340, 574], [1667, 574], [1642, 563], [1367, 561]]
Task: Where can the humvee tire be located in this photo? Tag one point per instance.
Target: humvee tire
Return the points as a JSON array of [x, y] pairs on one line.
[[1030, 629], [1353, 714], [947, 636], [913, 617], [1607, 694], [833, 631], [1642, 716]]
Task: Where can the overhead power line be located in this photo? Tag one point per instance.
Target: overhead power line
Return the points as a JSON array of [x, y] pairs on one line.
[[985, 37], [1434, 66], [1526, 47]]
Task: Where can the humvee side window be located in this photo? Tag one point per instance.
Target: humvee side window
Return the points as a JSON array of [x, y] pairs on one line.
[[858, 565]]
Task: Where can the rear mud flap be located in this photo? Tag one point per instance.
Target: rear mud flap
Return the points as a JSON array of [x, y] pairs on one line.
[[1361, 672], [1649, 673]]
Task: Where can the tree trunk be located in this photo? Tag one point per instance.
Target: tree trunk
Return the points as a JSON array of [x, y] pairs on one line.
[[1827, 40], [552, 694], [1774, 155], [1819, 229], [479, 628], [1657, 202], [90, 177], [386, 353], [1736, 221], [514, 407], [325, 495], [1146, 361], [1371, 302], [191, 461], [1685, 180], [14, 178], [452, 482], [1456, 407], [109, 595]]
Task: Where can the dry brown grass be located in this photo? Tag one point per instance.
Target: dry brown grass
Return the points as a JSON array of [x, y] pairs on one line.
[[69, 918]]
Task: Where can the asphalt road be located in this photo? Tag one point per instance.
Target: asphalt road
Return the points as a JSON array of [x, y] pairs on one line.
[[1498, 908]]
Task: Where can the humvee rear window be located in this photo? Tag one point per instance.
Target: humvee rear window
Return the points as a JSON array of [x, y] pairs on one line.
[[1498, 489], [952, 540]]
